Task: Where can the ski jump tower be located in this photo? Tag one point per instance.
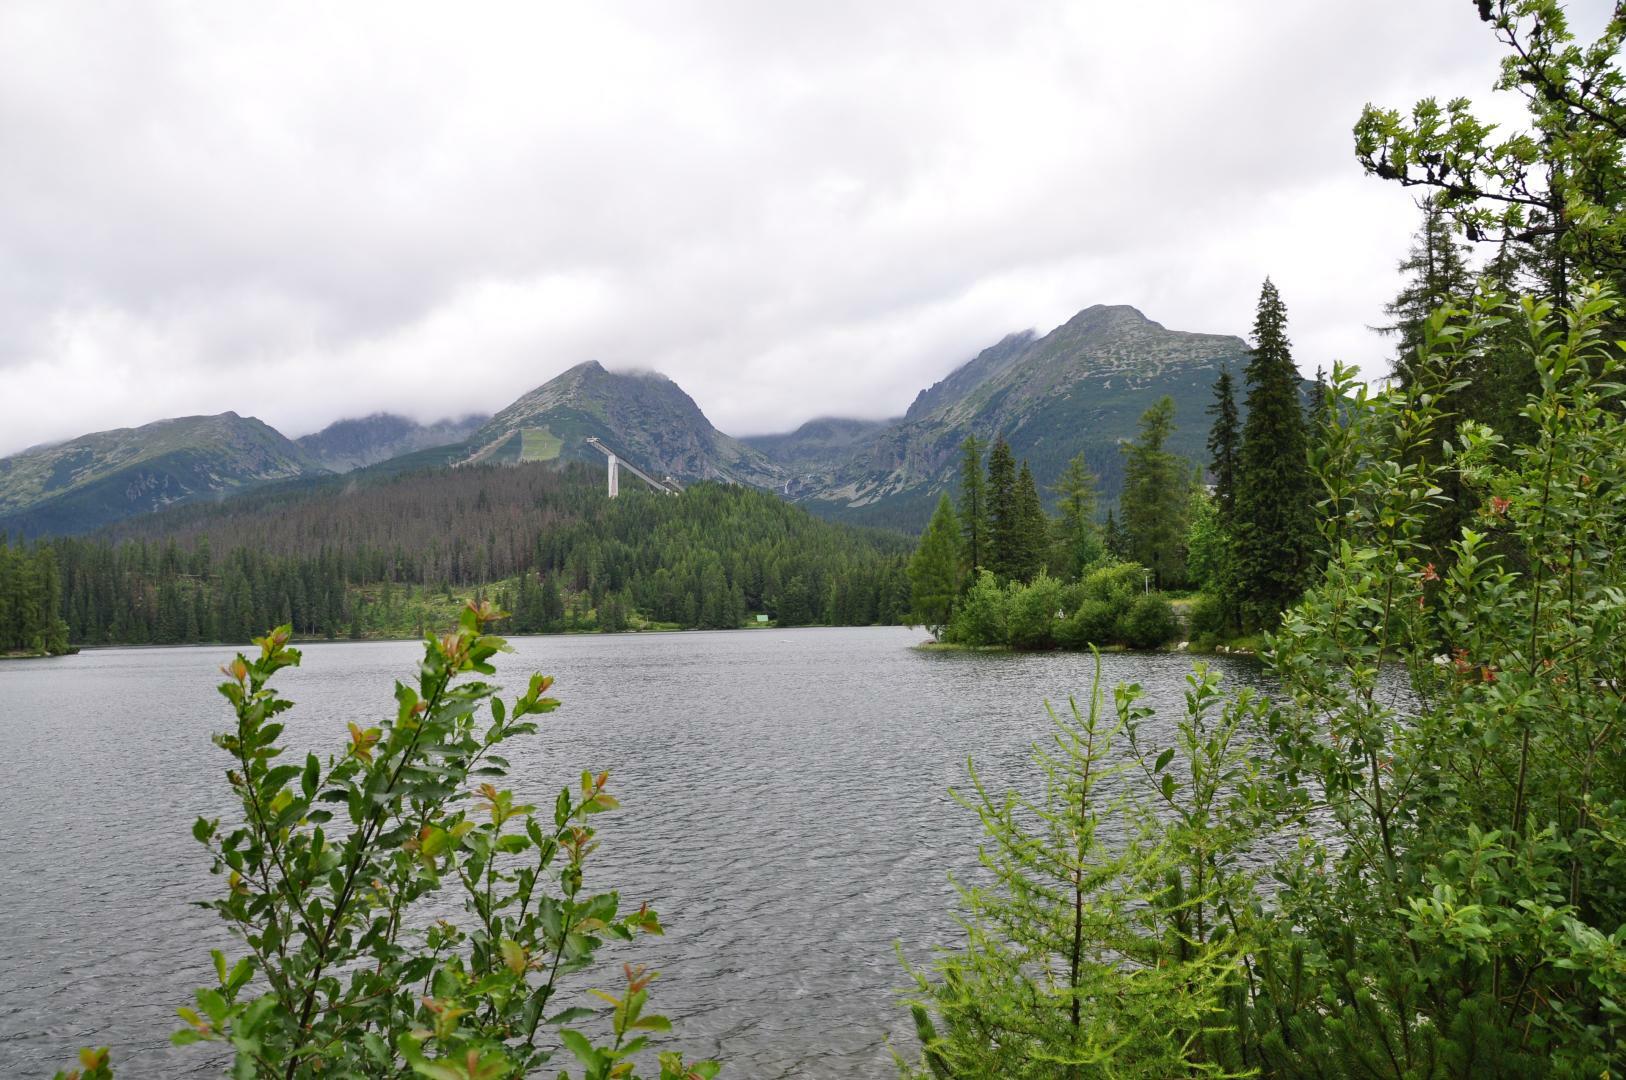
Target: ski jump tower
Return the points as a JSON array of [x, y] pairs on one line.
[[666, 487]]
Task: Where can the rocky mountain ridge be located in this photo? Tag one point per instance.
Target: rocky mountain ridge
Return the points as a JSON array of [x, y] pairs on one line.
[[355, 443], [1080, 388]]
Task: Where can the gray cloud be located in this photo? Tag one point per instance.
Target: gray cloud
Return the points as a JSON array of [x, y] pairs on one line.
[[304, 212]]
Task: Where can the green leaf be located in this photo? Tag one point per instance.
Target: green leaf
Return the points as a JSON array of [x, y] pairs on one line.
[[570, 1015], [241, 972], [213, 1005], [513, 956], [577, 1044]]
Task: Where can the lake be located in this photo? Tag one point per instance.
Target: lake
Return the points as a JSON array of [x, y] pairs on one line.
[[785, 808]]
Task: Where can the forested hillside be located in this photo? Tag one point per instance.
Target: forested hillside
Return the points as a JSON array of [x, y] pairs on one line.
[[391, 556]]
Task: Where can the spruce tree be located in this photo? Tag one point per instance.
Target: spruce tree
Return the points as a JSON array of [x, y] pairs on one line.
[[1489, 384], [1004, 524], [1112, 537], [973, 503], [552, 605], [1155, 496], [1078, 540], [1032, 528], [1318, 404], [1274, 525], [1436, 272], [1223, 444], [934, 570]]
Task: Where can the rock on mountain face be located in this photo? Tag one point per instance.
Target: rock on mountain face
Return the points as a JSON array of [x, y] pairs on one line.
[[97, 479], [643, 417], [351, 444], [1081, 387]]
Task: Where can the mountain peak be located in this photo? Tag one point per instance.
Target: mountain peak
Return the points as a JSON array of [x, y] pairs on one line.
[[643, 416], [1079, 388], [1099, 317]]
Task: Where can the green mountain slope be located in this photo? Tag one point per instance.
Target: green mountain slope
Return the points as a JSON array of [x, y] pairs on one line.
[[644, 417], [355, 443], [97, 479], [1082, 387]]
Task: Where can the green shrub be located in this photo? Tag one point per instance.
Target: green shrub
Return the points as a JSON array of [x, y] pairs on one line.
[[1032, 613], [1207, 616], [1094, 622], [983, 618], [1116, 583], [1149, 622]]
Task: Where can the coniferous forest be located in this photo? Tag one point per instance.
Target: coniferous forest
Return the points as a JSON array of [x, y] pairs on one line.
[[31, 602], [399, 555]]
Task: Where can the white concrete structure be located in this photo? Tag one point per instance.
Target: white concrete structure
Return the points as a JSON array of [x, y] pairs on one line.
[[669, 487]]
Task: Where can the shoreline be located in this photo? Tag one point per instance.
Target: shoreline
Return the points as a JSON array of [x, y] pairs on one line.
[[304, 640], [1183, 648]]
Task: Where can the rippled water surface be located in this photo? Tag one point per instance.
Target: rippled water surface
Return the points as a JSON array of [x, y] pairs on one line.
[[784, 798]]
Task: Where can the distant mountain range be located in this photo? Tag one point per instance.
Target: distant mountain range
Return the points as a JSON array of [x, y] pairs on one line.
[[97, 479], [352, 444], [1080, 388]]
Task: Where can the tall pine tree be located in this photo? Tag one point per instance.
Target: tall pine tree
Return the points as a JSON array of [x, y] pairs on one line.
[[934, 570], [1078, 539], [1113, 538], [1156, 493], [1213, 540], [1004, 522], [1436, 272], [973, 504], [1274, 525], [1224, 442], [1032, 531]]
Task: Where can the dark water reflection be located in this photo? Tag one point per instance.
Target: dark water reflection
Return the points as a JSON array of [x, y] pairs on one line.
[[785, 807]]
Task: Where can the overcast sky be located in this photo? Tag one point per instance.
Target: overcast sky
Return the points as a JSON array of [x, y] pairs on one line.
[[304, 212]]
